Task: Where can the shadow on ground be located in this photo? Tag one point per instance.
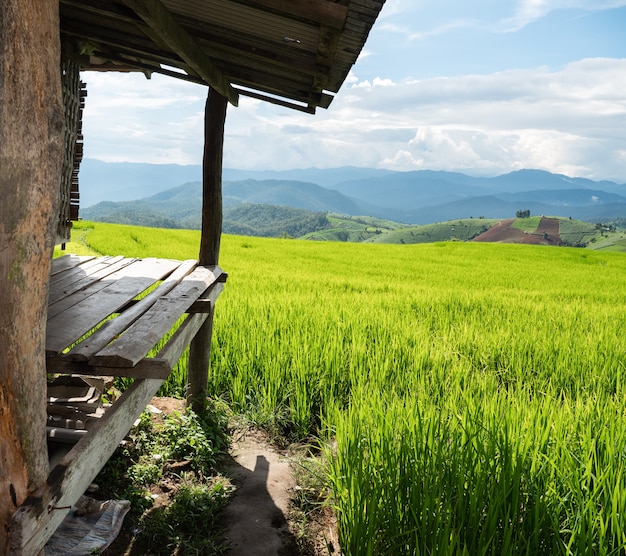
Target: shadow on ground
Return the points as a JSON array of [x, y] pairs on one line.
[[255, 518]]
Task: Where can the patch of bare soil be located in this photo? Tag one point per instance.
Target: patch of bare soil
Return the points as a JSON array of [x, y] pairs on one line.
[[322, 531], [547, 233], [256, 517], [261, 518], [502, 232], [549, 229]]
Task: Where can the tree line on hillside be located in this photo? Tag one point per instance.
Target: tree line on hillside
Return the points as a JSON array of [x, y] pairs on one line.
[[245, 219], [273, 221]]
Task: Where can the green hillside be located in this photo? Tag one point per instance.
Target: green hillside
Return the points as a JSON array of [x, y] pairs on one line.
[[464, 398], [272, 221], [455, 230], [354, 229], [278, 221], [577, 233], [180, 207]]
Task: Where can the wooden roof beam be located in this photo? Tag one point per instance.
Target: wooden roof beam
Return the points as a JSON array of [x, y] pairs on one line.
[[308, 109], [161, 21], [324, 12]]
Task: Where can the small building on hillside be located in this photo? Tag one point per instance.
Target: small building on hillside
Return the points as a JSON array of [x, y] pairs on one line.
[[293, 53]]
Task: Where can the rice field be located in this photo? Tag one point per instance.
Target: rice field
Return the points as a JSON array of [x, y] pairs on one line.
[[468, 398]]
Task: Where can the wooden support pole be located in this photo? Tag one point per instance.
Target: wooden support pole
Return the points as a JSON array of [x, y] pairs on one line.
[[200, 348], [31, 157]]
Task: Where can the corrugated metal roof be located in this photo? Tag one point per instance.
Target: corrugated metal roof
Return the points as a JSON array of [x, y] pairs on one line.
[[292, 52]]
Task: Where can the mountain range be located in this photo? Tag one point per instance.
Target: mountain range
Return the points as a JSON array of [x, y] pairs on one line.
[[418, 197]]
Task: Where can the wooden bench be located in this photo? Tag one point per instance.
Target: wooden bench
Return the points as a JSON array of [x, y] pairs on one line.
[[107, 316]]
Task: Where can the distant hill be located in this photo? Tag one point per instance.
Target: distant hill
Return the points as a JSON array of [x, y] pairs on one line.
[[273, 221], [537, 230], [418, 197], [425, 196], [297, 194], [180, 207], [127, 181]]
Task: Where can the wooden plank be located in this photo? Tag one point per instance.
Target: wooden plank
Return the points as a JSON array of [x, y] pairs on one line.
[[43, 511], [67, 327], [161, 20], [146, 368], [79, 269], [62, 285], [67, 261], [114, 327], [68, 436], [144, 333], [204, 303], [179, 341], [61, 293], [307, 109], [85, 262]]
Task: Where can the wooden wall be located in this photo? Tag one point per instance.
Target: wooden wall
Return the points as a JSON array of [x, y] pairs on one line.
[[74, 93]]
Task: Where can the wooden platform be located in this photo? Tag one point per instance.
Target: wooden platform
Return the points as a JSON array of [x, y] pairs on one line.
[[112, 316], [96, 321]]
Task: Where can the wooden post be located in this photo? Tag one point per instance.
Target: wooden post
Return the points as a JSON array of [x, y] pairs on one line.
[[31, 157], [200, 347]]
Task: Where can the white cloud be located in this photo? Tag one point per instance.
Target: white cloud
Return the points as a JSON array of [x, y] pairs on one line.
[[529, 11], [423, 20], [570, 121], [492, 152], [441, 29]]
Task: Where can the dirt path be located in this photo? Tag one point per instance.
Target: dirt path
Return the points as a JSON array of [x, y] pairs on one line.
[[260, 519], [257, 514]]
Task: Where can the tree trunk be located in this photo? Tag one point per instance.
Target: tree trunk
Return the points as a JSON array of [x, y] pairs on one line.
[[200, 348], [31, 124]]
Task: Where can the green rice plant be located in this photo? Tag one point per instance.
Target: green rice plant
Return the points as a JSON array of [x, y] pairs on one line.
[[135, 241], [474, 393], [413, 478]]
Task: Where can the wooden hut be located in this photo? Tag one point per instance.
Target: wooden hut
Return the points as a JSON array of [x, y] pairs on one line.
[[294, 53]]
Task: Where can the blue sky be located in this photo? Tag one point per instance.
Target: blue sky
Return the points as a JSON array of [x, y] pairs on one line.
[[483, 87]]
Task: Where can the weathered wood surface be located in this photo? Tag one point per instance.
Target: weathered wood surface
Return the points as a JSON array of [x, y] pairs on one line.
[[120, 345], [44, 510], [152, 367], [68, 261], [210, 239], [79, 279], [85, 309], [114, 327], [70, 272], [31, 156], [145, 332], [205, 303], [159, 366]]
